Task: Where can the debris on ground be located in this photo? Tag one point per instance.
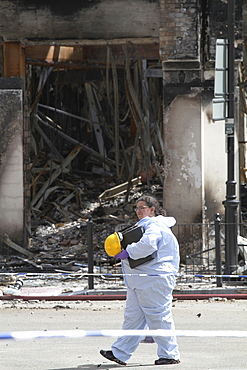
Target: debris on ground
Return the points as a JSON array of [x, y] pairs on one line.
[[63, 246]]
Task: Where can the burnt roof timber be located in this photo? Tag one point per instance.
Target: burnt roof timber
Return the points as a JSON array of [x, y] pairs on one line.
[[88, 54]]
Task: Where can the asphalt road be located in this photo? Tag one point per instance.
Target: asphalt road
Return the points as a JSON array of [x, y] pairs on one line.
[[83, 353]]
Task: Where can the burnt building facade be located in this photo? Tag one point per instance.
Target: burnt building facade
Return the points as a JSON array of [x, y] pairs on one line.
[[136, 80]]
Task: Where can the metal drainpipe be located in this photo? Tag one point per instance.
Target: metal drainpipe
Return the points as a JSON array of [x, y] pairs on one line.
[[218, 249], [231, 204], [90, 253]]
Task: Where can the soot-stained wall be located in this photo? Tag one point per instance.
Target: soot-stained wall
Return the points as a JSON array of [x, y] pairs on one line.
[[75, 19]]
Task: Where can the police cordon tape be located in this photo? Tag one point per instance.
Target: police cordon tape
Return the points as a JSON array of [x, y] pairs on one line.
[[177, 276], [81, 274], [21, 335]]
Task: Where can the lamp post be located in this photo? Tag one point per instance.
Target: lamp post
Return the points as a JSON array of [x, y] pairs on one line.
[[230, 204]]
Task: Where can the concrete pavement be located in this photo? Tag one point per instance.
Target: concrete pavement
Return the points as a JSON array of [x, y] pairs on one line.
[[197, 353]]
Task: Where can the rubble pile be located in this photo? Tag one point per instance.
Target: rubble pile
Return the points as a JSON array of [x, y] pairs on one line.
[[59, 251], [63, 246]]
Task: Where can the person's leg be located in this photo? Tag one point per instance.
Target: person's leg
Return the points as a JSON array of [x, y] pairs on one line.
[[156, 301], [134, 319]]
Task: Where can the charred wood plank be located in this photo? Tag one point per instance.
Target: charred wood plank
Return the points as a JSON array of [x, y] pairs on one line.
[[64, 112], [116, 107], [55, 174], [16, 247], [85, 148], [54, 150], [119, 188], [45, 196], [95, 118]]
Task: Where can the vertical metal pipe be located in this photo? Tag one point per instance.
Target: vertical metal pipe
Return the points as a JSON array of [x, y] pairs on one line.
[[231, 56], [90, 253], [218, 249], [231, 203]]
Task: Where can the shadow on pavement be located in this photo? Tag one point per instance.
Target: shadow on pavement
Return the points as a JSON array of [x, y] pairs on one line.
[[105, 366]]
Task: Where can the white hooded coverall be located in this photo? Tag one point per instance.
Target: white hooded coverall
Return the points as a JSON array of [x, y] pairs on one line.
[[149, 298]]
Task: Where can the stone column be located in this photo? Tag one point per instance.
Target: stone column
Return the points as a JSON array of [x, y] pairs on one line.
[[11, 160]]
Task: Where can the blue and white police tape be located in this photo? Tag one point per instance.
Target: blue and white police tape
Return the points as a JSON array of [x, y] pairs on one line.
[[177, 276], [85, 274], [21, 335]]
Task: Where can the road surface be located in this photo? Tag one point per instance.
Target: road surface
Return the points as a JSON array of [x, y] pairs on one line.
[[197, 353]]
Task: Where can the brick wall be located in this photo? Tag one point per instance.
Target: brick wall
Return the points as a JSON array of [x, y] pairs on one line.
[[218, 25], [179, 29], [189, 29]]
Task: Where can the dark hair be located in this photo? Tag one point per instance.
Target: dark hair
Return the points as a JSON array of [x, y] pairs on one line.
[[152, 202]]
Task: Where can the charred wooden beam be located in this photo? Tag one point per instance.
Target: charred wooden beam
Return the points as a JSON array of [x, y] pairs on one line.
[[75, 142], [15, 246], [109, 193], [92, 100], [64, 112], [54, 150], [55, 174], [79, 52]]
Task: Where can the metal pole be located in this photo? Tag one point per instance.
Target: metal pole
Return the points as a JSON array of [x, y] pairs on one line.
[[231, 203], [218, 249], [90, 253]]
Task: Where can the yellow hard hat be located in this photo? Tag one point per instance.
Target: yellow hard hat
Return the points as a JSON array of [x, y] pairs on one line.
[[112, 244]]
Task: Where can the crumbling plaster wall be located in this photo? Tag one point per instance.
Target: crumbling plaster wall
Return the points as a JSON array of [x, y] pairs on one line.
[[180, 52], [11, 164], [214, 161], [183, 162], [197, 168]]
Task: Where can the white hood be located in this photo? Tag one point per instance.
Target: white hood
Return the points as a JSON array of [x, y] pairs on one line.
[[169, 221]]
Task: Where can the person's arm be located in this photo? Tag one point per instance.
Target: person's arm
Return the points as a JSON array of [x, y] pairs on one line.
[[148, 243]]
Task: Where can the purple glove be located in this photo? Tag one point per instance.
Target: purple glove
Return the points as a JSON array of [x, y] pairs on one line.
[[122, 255]]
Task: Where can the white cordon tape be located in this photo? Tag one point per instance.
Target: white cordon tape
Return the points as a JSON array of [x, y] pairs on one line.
[[85, 274], [19, 335]]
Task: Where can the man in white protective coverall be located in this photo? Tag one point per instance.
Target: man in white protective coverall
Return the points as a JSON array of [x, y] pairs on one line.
[[149, 298]]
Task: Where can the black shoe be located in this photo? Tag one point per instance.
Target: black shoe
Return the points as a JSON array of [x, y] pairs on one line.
[[166, 361], [110, 356], [148, 340]]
